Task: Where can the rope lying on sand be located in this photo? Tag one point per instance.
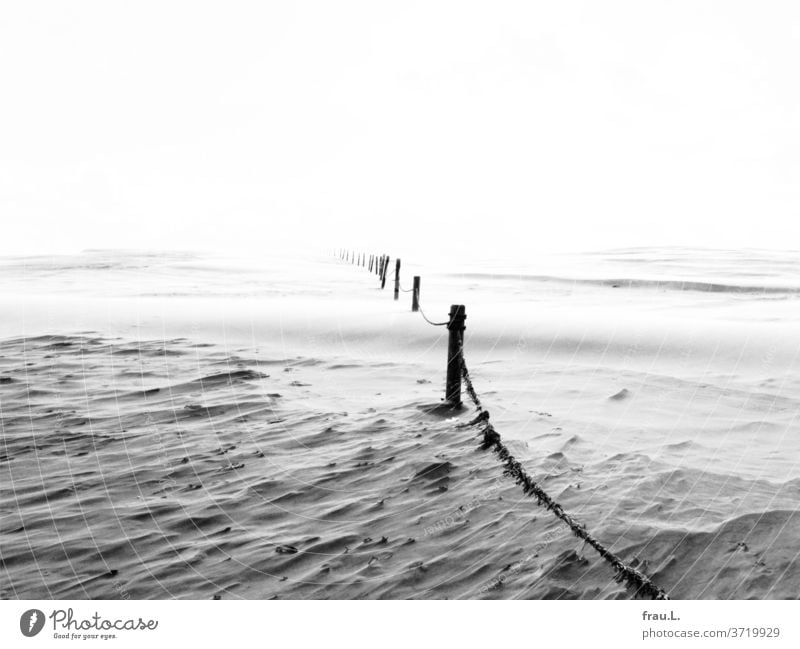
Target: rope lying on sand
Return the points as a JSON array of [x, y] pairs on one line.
[[637, 581]]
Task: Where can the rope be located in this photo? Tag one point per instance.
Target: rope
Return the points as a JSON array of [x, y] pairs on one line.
[[435, 324], [640, 583]]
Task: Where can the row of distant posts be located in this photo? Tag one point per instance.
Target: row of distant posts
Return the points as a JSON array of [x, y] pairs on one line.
[[380, 265], [455, 324]]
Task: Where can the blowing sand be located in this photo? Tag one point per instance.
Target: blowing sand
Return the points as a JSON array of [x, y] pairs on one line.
[[194, 430]]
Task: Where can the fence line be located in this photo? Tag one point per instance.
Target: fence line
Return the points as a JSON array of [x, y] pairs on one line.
[[635, 580]]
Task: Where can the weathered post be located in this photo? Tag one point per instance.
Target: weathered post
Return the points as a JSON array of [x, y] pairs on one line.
[[415, 294], [385, 268], [369, 267], [455, 341], [397, 279]]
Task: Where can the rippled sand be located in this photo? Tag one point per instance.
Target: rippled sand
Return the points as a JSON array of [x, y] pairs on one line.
[[174, 469], [312, 459]]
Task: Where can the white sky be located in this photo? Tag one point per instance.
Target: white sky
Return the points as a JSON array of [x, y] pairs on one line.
[[505, 125]]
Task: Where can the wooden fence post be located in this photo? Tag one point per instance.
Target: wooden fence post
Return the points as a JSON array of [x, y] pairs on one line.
[[455, 341], [383, 273], [415, 294], [397, 279]]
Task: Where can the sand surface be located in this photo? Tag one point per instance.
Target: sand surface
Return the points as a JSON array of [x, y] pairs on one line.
[[174, 426]]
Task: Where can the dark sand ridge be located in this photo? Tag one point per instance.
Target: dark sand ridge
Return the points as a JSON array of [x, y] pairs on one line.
[[172, 469]]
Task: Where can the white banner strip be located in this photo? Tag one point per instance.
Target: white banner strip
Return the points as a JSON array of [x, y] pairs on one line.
[[397, 624]]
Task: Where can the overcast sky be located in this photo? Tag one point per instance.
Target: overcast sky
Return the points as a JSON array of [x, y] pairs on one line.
[[500, 125]]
